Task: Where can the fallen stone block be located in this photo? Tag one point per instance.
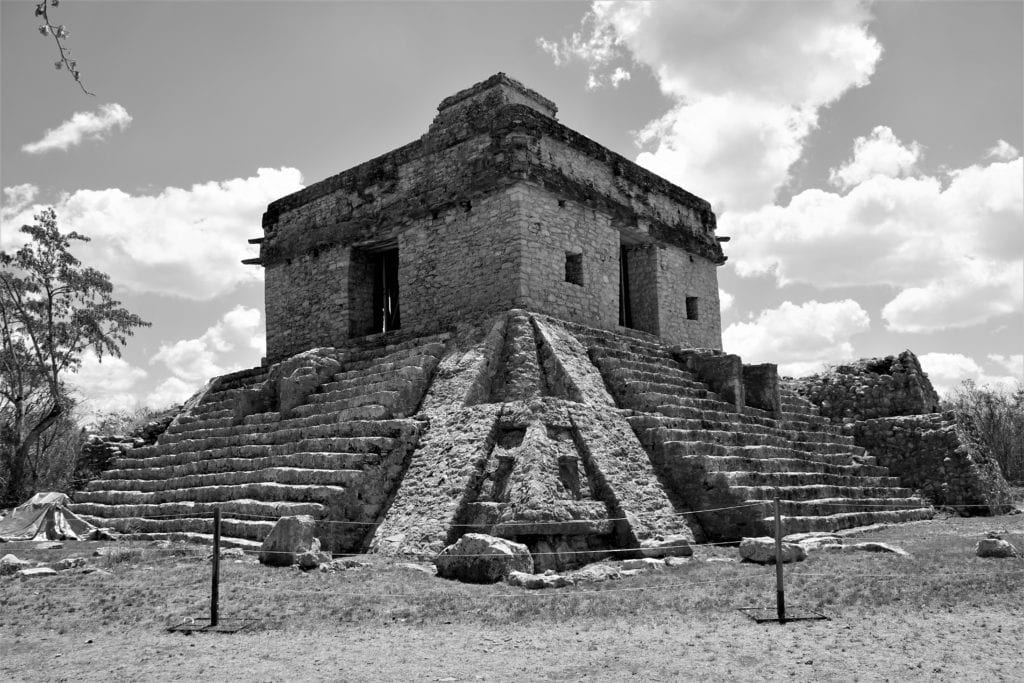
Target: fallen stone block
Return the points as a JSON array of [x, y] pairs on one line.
[[68, 563], [995, 547], [873, 547], [35, 572], [666, 546], [548, 579], [290, 537], [479, 558], [11, 564], [762, 551], [815, 540], [594, 573], [645, 564]]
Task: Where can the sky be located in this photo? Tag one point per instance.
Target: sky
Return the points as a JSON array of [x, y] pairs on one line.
[[864, 158]]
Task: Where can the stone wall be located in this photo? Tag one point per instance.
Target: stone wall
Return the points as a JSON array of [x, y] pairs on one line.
[[871, 388], [484, 210], [935, 455]]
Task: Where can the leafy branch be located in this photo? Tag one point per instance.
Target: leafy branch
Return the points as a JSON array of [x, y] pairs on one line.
[[59, 32]]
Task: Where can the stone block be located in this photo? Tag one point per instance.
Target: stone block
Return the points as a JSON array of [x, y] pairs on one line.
[[762, 551], [290, 537], [479, 558]]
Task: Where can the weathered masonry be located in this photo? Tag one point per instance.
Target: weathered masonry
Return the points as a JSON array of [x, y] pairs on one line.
[[497, 206], [505, 328]]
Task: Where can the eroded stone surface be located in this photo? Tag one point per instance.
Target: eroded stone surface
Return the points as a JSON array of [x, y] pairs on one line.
[[762, 551], [290, 538], [479, 558], [996, 547]]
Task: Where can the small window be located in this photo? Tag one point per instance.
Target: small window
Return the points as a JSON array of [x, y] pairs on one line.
[[691, 308], [574, 268]]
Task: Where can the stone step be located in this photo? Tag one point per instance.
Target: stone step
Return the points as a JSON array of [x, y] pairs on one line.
[[740, 438], [816, 491], [234, 528], [827, 507], [653, 401], [760, 452], [365, 370], [338, 444], [636, 388], [651, 424], [794, 524], [210, 494], [240, 509], [280, 475], [371, 350], [735, 463], [355, 390], [411, 373], [772, 479], [376, 406], [305, 459], [205, 540], [283, 432], [647, 372], [416, 355]]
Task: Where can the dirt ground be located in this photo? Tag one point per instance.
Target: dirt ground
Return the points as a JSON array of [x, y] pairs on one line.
[[885, 646]]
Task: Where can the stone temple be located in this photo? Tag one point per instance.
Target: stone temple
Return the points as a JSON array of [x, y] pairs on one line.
[[501, 327]]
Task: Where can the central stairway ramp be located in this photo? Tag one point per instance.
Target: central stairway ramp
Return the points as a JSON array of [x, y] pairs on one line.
[[731, 463], [336, 457]]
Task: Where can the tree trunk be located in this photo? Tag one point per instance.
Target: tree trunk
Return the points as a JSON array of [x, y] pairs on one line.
[[16, 492]]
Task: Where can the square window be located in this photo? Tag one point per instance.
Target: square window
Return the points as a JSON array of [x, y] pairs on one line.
[[574, 268], [691, 308]]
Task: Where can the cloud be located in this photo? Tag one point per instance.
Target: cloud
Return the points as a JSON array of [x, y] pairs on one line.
[[1003, 151], [800, 338], [725, 300], [236, 341], [16, 198], [879, 154], [950, 244], [81, 126], [947, 370], [107, 385], [183, 242], [1013, 363], [747, 81]]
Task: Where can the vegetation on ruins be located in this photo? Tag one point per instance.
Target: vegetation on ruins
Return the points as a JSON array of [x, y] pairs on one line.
[[997, 416], [59, 33], [53, 311]]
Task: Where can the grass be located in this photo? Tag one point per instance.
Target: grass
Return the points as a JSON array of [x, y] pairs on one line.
[[150, 587]]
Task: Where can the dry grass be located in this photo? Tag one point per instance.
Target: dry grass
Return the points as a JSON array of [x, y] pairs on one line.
[[149, 587]]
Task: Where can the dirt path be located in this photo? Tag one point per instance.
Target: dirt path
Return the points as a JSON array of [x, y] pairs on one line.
[[890, 645]]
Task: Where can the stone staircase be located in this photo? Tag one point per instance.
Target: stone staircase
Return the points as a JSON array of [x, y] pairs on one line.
[[717, 457], [337, 457]]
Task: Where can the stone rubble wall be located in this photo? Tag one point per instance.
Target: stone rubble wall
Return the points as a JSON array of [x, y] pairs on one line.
[[935, 455], [871, 388], [99, 450]]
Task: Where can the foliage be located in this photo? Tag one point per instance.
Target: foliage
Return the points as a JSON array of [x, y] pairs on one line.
[[52, 312], [127, 422], [997, 416], [59, 33]]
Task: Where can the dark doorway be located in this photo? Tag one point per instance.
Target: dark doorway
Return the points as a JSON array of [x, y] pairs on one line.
[[385, 291], [625, 310]]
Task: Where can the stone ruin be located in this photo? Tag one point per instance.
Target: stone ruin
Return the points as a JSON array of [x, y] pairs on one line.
[[891, 409], [504, 328]]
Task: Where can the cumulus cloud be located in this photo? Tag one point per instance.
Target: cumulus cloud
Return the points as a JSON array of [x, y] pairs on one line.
[[1014, 364], [725, 300], [236, 341], [184, 242], [747, 79], [16, 198], [1003, 151], [948, 370], [107, 385], [800, 338], [950, 244], [83, 125], [879, 154]]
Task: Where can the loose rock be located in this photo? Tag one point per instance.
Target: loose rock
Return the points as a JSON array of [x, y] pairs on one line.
[[873, 547], [35, 572], [291, 536], [666, 546], [995, 547], [762, 551], [479, 558], [11, 564]]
